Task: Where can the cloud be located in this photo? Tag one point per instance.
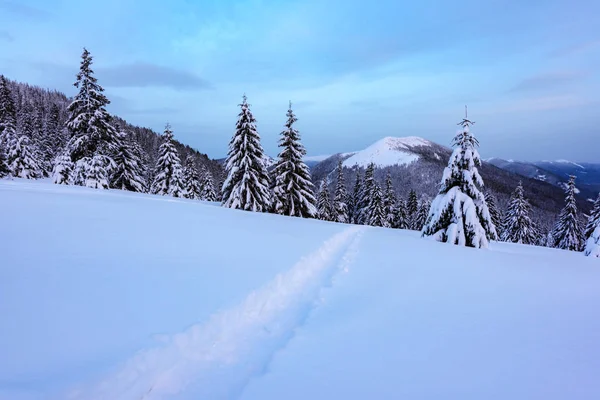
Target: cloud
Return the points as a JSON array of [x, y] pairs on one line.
[[23, 10], [4, 35], [548, 80], [140, 74]]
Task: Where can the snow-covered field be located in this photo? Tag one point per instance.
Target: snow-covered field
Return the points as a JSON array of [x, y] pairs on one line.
[[113, 295]]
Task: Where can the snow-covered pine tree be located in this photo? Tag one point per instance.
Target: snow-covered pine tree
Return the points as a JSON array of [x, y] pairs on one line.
[[89, 124], [21, 160], [168, 180], [401, 218], [459, 214], [495, 214], [293, 189], [592, 246], [63, 170], [377, 216], [518, 226], [354, 199], [8, 124], [365, 197], [94, 171], [129, 172], [191, 180], [567, 233], [389, 201], [421, 215], [340, 208], [324, 209], [412, 207], [208, 187], [247, 184], [593, 220]]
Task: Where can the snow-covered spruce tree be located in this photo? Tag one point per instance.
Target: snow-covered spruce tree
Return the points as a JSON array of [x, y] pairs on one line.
[[324, 209], [421, 215], [191, 180], [389, 201], [94, 171], [8, 124], [366, 195], [377, 216], [63, 170], [567, 233], [592, 246], [89, 125], [495, 214], [401, 218], [340, 208], [518, 226], [354, 199], [168, 180], [21, 160], [459, 214], [129, 172], [593, 220], [293, 189], [247, 184], [208, 186], [412, 206]]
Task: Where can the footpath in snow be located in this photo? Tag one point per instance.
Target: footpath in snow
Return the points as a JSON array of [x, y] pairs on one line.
[[217, 359]]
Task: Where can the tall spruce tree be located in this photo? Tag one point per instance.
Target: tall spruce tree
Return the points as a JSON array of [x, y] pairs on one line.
[[495, 214], [129, 172], [412, 206], [518, 226], [567, 233], [377, 216], [247, 184], [340, 207], [168, 180], [421, 215], [208, 187], [89, 125], [354, 199], [192, 183], [389, 201], [459, 214], [366, 195], [293, 189], [324, 209]]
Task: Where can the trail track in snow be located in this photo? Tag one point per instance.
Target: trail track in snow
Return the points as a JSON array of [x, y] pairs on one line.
[[216, 360]]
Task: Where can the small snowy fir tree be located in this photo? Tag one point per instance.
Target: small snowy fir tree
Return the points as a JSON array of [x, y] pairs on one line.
[[293, 189], [518, 226], [340, 208], [412, 206], [354, 199], [567, 233], [94, 171], [495, 214], [21, 159], [191, 180], [168, 179], [593, 219], [366, 195], [208, 186], [247, 184], [389, 201], [128, 173], [324, 208], [421, 216], [377, 215], [63, 169], [401, 218], [592, 246], [459, 214]]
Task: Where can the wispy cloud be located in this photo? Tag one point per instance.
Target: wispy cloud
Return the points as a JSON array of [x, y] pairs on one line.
[[549, 80], [23, 10], [5, 35], [141, 74]]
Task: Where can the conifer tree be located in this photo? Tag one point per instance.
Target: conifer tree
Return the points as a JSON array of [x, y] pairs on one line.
[[421, 215], [8, 122], [495, 215], [593, 219], [21, 160], [168, 180], [354, 199], [389, 202], [366, 195], [377, 215], [191, 180], [459, 214], [63, 170], [401, 218], [247, 184], [208, 187], [567, 233], [129, 172], [324, 209], [412, 206], [293, 189], [518, 226], [340, 208], [94, 171], [89, 125]]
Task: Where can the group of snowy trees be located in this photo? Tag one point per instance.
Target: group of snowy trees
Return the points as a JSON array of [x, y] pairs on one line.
[[91, 148]]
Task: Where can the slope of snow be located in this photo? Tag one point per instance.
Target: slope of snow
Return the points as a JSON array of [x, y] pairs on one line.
[[387, 152], [316, 158], [114, 295], [569, 162]]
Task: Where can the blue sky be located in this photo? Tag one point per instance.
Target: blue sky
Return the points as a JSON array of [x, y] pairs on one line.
[[356, 70]]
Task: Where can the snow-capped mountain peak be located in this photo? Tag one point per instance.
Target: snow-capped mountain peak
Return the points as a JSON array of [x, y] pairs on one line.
[[387, 152]]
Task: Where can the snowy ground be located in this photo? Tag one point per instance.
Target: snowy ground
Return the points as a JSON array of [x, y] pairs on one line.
[[112, 295]]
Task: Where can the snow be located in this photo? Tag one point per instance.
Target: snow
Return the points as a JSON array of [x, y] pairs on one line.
[[387, 152], [118, 295], [569, 162], [316, 158]]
